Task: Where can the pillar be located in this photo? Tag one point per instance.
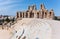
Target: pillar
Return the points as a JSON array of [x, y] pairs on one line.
[[24, 14], [47, 13], [35, 14], [44, 15], [19, 15], [39, 15], [28, 14]]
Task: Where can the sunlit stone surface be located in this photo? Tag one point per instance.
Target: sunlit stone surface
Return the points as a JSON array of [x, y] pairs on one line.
[[33, 28]]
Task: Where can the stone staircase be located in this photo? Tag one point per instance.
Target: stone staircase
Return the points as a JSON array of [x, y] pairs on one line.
[[34, 28]]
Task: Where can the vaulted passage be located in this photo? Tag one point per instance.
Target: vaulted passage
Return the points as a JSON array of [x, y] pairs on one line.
[[45, 15], [31, 15], [37, 15], [23, 15], [17, 15], [20, 15], [50, 14]]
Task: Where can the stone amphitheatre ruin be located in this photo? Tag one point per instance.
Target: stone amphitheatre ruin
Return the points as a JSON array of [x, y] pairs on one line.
[[32, 12], [30, 27]]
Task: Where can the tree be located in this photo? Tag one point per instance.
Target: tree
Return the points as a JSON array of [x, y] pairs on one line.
[[13, 19], [7, 19]]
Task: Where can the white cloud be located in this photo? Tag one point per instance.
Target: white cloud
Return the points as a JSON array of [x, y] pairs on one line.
[[6, 5]]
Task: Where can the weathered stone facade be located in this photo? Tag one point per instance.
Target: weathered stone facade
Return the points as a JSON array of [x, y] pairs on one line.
[[32, 12]]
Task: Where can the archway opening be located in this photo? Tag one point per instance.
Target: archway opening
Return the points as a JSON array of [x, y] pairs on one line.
[[20, 15], [45, 15], [31, 15], [37, 15], [50, 15], [17, 15]]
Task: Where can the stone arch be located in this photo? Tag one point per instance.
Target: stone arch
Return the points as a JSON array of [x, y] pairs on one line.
[[45, 14], [17, 15], [31, 14], [20, 14], [37, 14], [50, 13]]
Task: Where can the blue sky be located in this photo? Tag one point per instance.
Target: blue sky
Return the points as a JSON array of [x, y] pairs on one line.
[[10, 7]]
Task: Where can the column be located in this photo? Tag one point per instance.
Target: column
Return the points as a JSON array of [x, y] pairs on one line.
[[48, 15], [19, 15], [52, 15], [28, 14], [44, 15], [25, 15], [35, 14], [22, 14], [39, 15]]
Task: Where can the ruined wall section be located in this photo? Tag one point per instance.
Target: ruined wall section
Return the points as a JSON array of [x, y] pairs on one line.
[[32, 12]]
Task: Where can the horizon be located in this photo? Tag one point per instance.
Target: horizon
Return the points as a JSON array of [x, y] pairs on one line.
[[10, 7]]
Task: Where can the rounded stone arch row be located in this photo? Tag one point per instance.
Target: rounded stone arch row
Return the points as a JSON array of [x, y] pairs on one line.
[[36, 14], [46, 14]]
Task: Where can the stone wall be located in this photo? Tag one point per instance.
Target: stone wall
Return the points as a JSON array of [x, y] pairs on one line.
[[32, 12]]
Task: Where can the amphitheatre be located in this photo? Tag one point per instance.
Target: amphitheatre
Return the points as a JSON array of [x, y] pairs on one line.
[[33, 24]]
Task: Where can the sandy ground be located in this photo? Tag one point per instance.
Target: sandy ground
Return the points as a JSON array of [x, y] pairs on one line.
[[31, 28]]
